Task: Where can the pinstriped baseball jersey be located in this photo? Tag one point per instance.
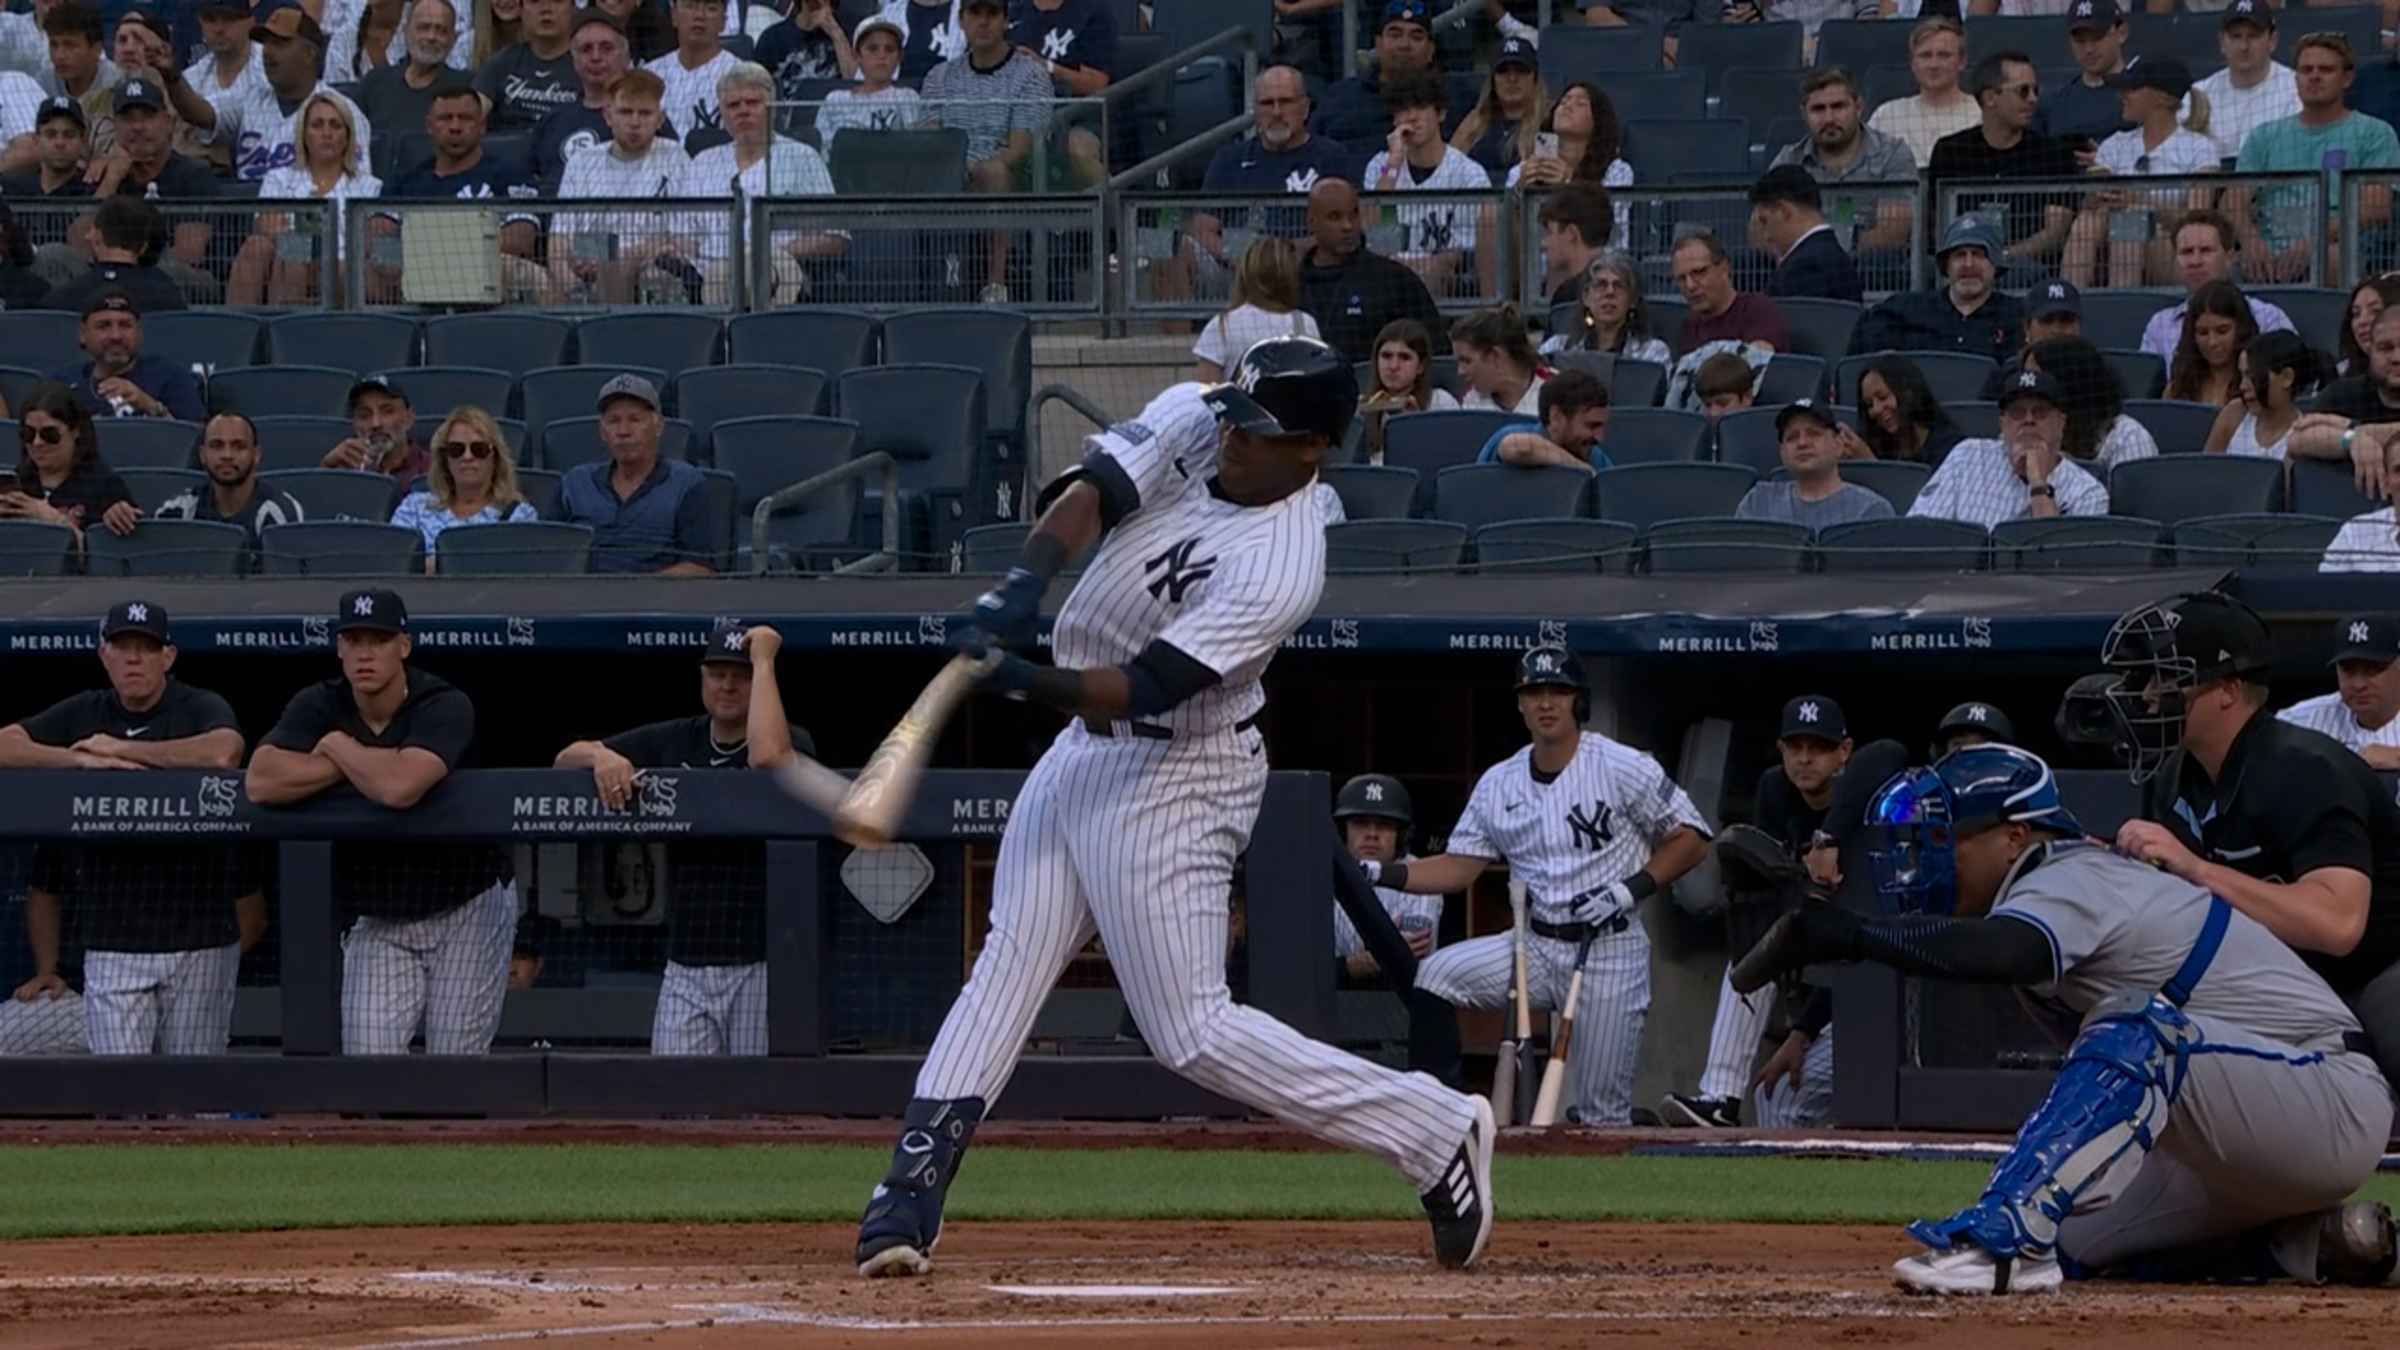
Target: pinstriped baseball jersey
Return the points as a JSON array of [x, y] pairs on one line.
[[2328, 716], [1594, 824], [1977, 485], [1222, 583], [1424, 911]]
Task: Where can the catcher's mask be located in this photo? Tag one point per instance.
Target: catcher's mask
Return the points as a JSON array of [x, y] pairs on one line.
[[1921, 814], [2160, 653]]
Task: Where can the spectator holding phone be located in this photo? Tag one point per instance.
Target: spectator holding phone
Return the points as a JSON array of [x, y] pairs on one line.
[[119, 378], [61, 479]]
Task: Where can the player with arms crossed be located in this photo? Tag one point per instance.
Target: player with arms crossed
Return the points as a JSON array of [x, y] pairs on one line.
[[1212, 552], [1592, 828], [2213, 1083]]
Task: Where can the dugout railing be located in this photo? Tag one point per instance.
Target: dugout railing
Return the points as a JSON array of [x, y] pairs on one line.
[[1282, 885]]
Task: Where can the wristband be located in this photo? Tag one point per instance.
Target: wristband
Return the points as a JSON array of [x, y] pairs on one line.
[[2349, 438], [1391, 876], [1641, 886], [2041, 490]]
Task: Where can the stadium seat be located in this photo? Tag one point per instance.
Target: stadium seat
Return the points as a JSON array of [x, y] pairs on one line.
[[1721, 48], [1641, 495], [283, 391], [353, 342], [2037, 35], [1879, 85], [151, 487], [147, 442], [1475, 495], [1631, 384], [539, 488], [558, 392], [39, 339], [1372, 491], [2361, 25], [1394, 546], [2189, 38], [436, 390], [2175, 488], [1820, 328], [989, 550], [570, 441], [296, 442], [670, 340], [1658, 93], [2179, 427], [711, 394], [1677, 150], [341, 548], [1569, 544], [2075, 544], [533, 548], [1749, 438], [169, 548], [2274, 538], [336, 494], [2113, 318], [718, 492], [34, 548], [1860, 45], [931, 419], [512, 341], [1788, 377], [1666, 313], [1954, 376], [999, 344], [1430, 442], [1897, 481], [207, 340], [1760, 96], [830, 340], [766, 454], [1974, 418], [1725, 544], [2314, 310], [929, 162], [2327, 488], [17, 383], [1594, 55], [2139, 374], [1903, 544]]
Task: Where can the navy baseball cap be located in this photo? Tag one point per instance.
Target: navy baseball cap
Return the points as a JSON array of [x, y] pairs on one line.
[[1814, 715], [728, 644], [1413, 11], [1517, 52], [135, 616], [1806, 407], [2248, 11], [2368, 637], [61, 106], [2164, 74], [138, 94], [2085, 14], [2054, 297], [377, 383], [2025, 384], [373, 611]]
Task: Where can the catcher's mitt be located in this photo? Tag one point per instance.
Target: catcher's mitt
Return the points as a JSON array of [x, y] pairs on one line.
[[1762, 884]]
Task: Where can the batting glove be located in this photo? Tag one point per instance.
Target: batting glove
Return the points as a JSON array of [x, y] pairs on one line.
[[1599, 903], [1008, 615], [1010, 676]]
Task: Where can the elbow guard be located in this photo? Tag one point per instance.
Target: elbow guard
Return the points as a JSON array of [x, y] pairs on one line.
[[1162, 677]]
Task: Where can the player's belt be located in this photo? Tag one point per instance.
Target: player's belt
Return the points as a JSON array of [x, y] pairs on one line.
[[1578, 932], [1148, 731]]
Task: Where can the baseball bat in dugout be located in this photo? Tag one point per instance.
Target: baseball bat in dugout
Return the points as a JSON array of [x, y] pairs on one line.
[[1504, 1072], [1554, 1074]]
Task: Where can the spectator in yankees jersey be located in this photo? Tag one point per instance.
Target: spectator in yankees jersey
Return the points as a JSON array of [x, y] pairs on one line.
[[878, 102], [332, 168], [693, 70], [529, 79], [1437, 242], [602, 56], [1077, 41], [261, 123], [460, 168], [2363, 712], [713, 1000], [759, 161], [605, 256], [1279, 156]]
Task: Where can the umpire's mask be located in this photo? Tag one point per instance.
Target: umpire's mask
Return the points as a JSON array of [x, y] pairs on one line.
[[2159, 653]]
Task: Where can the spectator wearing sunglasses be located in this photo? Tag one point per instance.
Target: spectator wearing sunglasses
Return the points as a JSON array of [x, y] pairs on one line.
[[474, 481], [60, 478]]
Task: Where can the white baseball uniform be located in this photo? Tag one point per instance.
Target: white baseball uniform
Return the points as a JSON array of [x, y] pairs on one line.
[[1132, 830], [1592, 825], [2328, 715]]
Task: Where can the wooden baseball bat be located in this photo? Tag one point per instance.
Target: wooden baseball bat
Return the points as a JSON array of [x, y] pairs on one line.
[[1554, 1074], [1504, 1074], [868, 809]]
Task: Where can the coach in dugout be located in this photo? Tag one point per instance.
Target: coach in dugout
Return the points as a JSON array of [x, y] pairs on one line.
[[435, 923], [163, 925], [713, 1000], [2363, 712]]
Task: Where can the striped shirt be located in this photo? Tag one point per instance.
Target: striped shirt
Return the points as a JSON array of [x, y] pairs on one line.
[[1977, 484], [1407, 911], [989, 105], [1445, 227], [2364, 544], [2327, 715], [1593, 825]]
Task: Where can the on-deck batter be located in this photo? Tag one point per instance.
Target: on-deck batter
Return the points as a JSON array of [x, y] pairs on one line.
[[1213, 553]]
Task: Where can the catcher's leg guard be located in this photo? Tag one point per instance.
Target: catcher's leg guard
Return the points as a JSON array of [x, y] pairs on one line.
[[904, 1216], [2108, 1107]]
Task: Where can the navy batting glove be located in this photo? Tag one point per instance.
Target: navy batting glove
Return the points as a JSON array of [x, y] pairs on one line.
[[1007, 615], [1010, 677]]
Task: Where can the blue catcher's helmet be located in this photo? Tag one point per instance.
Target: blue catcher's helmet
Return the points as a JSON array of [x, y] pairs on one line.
[[1920, 814]]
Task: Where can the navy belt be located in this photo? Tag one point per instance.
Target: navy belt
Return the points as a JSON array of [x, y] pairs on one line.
[[1581, 932], [1150, 731], [2356, 1042]]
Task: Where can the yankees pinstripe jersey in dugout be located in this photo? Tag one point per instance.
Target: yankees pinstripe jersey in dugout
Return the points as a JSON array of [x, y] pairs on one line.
[[2328, 716], [1594, 824]]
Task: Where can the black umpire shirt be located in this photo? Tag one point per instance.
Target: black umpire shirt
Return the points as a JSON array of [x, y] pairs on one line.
[[717, 913], [398, 882], [2293, 801], [145, 897]]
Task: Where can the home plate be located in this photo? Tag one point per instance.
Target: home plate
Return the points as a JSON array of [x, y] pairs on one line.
[[1112, 1290]]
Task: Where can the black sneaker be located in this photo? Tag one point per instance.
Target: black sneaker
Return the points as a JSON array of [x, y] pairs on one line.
[[1709, 1113], [904, 1215], [1460, 1204]]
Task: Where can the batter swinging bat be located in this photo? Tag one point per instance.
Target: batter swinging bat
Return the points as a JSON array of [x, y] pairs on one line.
[[1504, 1074], [866, 812], [1554, 1074]]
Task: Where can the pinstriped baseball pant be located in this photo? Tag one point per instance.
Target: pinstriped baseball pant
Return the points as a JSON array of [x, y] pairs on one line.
[[1135, 839], [42, 1026], [1733, 1038], [1478, 973], [446, 973], [711, 1010], [176, 1003]]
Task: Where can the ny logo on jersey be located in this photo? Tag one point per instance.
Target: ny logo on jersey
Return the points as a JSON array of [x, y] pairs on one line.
[[1593, 828], [1057, 43], [1435, 231], [1300, 181], [1177, 571]]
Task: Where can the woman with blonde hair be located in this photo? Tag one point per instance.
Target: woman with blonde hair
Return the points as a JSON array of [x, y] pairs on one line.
[[2169, 137], [1265, 304], [1505, 125], [332, 169], [473, 481]]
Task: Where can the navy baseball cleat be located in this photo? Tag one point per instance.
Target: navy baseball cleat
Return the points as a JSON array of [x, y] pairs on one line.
[[1460, 1204], [1709, 1113], [904, 1216]]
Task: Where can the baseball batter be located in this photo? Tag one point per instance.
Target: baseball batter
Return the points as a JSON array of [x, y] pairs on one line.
[[1592, 828], [2213, 1082], [1212, 551], [2363, 712]]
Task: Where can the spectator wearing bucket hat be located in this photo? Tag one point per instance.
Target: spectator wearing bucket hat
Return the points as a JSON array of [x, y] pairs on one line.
[[1967, 313]]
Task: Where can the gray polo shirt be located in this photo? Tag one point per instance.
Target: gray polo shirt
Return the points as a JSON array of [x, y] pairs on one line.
[[1880, 159], [1781, 501]]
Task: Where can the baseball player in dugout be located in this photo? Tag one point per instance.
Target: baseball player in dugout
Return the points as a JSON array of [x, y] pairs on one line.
[[1211, 551], [1375, 815], [2363, 712], [434, 925], [2292, 829], [164, 926], [1592, 828], [713, 999]]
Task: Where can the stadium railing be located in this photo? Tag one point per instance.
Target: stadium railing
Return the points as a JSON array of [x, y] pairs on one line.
[[1651, 219], [2120, 231], [874, 170], [2375, 249], [220, 250], [898, 252], [1470, 236]]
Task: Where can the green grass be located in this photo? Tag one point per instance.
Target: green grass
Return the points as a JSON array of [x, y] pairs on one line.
[[79, 1190]]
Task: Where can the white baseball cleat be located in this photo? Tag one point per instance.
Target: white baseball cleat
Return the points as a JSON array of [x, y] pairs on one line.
[[1972, 1270], [893, 1261]]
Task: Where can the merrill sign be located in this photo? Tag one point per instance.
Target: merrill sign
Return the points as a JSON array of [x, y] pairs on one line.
[[583, 814], [209, 810]]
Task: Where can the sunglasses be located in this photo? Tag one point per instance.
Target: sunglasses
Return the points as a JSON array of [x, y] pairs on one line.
[[49, 435], [462, 449]]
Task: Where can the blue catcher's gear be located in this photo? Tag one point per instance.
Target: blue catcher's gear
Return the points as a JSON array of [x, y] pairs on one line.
[[1920, 814]]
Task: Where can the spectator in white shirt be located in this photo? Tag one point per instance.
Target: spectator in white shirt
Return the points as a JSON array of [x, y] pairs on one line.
[[2368, 543], [605, 256], [2204, 252], [1266, 303], [761, 163], [231, 69], [1437, 241], [1937, 55], [2363, 712], [260, 127], [693, 70], [878, 103], [2150, 92], [332, 168], [1497, 362], [2254, 88], [2022, 475]]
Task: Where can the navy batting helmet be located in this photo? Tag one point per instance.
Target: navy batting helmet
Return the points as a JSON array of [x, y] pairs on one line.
[[1551, 664], [1973, 719], [1288, 386], [1377, 796]]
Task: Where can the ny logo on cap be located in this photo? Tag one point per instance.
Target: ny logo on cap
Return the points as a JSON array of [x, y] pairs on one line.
[[2083, 9], [2028, 379], [140, 613], [1976, 712], [364, 604], [2057, 292], [1808, 712], [2358, 632], [1374, 792], [1545, 664], [733, 640]]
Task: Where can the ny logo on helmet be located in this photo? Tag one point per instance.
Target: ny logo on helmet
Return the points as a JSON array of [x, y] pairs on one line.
[[1978, 713]]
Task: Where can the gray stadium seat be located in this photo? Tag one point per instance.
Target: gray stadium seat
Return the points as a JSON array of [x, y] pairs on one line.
[[1430, 442], [351, 548], [336, 494], [1658, 93], [767, 454], [830, 340], [717, 491], [1475, 495], [151, 487], [559, 392], [1906, 543], [209, 339], [1394, 546], [1748, 438], [998, 343], [147, 442], [2272, 538], [2179, 427], [283, 391], [1567, 544], [1674, 150], [353, 342], [17, 382], [2174, 488], [537, 548], [512, 341], [1641, 495], [570, 441], [2314, 310], [931, 419], [1720, 48], [1975, 418], [2075, 544], [2189, 38], [1725, 544], [169, 548], [436, 390], [1820, 328], [712, 394], [1897, 481], [2113, 318], [2139, 373], [1789, 377], [1569, 54], [1666, 314], [670, 340], [989, 550], [2361, 25], [2327, 488], [1956, 376], [38, 339], [539, 488], [899, 163], [1372, 491], [1632, 384], [293, 442], [1760, 96], [1860, 45], [33, 548]]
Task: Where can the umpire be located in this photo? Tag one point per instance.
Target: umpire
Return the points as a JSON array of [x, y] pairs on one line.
[[1375, 815], [2283, 822], [713, 998]]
